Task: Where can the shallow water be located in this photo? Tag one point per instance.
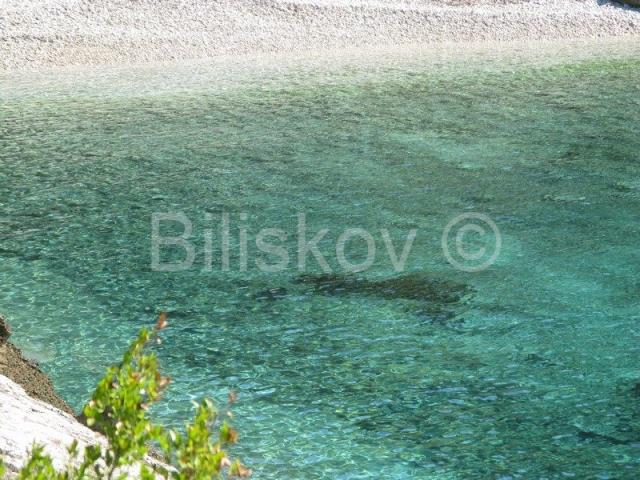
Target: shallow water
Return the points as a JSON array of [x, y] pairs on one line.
[[524, 370]]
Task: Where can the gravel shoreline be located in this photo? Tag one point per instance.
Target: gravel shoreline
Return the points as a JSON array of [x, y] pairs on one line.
[[26, 373], [45, 33]]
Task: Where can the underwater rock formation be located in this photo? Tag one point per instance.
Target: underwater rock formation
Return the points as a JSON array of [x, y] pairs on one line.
[[413, 286], [428, 298]]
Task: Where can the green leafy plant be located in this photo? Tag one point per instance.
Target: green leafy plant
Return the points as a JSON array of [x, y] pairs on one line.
[[118, 409]]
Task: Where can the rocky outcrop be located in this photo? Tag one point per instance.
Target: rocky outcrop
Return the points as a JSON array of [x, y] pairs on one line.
[[25, 420], [26, 373], [32, 413]]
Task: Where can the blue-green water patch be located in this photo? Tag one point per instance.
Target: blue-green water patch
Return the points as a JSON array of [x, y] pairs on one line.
[[525, 370]]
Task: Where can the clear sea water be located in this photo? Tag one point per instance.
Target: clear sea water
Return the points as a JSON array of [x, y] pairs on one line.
[[530, 374]]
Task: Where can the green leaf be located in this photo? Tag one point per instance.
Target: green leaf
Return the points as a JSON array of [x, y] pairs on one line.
[[118, 410]]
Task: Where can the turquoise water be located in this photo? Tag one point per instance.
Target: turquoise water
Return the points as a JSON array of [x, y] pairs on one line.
[[525, 370]]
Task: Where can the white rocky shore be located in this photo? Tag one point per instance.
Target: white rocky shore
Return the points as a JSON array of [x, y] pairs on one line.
[[37, 33], [32, 413], [25, 421]]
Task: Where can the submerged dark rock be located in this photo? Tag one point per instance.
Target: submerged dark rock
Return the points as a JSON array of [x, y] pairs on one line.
[[435, 298], [535, 359], [588, 435], [413, 286], [270, 294]]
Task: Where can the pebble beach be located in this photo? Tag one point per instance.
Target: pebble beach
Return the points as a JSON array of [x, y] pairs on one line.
[[46, 33]]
